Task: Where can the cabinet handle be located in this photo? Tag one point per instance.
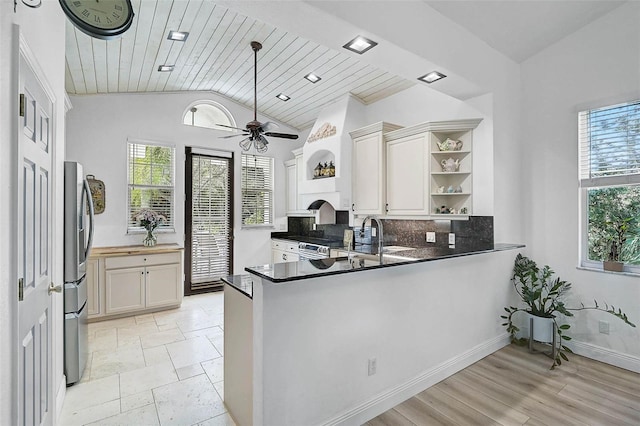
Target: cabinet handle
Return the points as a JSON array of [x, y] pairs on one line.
[[353, 207], [386, 207], [142, 273], [284, 256]]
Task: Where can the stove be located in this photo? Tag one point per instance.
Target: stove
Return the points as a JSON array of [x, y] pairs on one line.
[[308, 251]]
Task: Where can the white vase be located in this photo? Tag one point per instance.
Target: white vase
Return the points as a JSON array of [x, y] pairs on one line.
[[542, 328]]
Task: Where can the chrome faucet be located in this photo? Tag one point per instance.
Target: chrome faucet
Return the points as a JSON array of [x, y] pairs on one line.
[[380, 235]]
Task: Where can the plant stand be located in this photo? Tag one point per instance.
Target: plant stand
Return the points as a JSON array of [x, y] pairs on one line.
[[554, 347]]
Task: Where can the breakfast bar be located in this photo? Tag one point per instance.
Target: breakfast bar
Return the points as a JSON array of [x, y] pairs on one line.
[[335, 341]]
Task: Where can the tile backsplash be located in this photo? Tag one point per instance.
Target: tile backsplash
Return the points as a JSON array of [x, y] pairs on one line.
[[473, 234]]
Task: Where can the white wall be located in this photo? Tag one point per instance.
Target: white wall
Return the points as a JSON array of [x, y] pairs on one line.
[[313, 338], [43, 30], [98, 127], [596, 66]]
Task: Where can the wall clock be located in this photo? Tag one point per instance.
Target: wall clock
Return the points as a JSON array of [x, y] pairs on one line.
[[103, 19]]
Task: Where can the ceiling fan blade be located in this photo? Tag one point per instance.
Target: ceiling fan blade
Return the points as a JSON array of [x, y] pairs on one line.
[[269, 125], [230, 127], [281, 135], [245, 144], [232, 136]]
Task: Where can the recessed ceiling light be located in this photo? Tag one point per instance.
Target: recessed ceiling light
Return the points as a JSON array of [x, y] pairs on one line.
[[166, 68], [312, 77], [178, 35], [360, 45], [431, 77], [283, 97]]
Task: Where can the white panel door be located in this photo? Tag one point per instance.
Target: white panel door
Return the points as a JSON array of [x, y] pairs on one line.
[[408, 175], [368, 175], [35, 147]]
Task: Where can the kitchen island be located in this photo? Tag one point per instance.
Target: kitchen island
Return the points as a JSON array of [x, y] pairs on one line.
[[338, 341]]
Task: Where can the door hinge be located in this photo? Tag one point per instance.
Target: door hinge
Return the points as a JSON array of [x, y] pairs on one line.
[[22, 104], [20, 289]]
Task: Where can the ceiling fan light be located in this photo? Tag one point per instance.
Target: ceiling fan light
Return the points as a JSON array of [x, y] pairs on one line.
[[360, 45], [245, 143], [178, 35], [261, 144], [431, 77], [283, 97], [312, 77]]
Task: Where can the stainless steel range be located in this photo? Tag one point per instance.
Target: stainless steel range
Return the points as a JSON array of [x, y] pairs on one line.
[[308, 251]]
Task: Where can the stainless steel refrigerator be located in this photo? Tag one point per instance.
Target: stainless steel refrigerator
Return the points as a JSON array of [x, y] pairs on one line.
[[78, 236]]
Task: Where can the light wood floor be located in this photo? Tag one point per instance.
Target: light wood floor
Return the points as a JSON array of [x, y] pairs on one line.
[[514, 387]]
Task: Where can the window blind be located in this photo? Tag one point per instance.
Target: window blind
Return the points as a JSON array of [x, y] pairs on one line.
[[610, 145], [211, 219], [257, 190], [150, 183]]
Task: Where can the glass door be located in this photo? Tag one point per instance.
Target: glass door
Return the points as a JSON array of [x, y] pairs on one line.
[[208, 221]]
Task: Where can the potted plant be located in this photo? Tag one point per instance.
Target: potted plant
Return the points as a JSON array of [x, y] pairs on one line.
[[618, 233], [543, 297]]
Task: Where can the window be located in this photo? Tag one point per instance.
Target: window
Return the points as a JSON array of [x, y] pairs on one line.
[[610, 184], [208, 114], [257, 190], [150, 183]]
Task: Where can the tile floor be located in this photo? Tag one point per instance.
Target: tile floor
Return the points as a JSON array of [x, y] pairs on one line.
[[164, 368]]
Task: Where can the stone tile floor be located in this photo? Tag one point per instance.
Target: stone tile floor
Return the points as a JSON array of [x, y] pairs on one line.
[[164, 368]]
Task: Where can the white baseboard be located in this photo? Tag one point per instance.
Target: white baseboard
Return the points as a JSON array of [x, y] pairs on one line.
[[608, 356], [394, 396], [62, 391]]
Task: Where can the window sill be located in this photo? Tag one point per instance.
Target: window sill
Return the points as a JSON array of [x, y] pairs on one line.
[[155, 231], [594, 269]]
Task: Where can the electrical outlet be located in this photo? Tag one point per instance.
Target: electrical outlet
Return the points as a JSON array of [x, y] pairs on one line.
[[431, 237], [603, 326], [372, 366], [452, 238], [374, 231]]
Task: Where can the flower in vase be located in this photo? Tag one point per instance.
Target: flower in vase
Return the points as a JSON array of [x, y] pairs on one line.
[[149, 219]]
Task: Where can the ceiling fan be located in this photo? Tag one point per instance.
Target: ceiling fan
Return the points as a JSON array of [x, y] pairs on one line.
[[256, 131]]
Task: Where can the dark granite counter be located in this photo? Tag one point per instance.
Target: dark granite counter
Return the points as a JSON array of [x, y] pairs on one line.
[[291, 271], [242, 283], [329, 242]]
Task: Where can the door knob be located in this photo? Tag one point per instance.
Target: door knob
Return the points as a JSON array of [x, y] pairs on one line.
[[54, 288]]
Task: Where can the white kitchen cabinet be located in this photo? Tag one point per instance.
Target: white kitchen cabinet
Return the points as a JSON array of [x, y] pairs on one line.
[[398, 172], [132, 280], [407, 183], [368, 171], [93, 291], [124, 290], [284, 251], [291, 185]]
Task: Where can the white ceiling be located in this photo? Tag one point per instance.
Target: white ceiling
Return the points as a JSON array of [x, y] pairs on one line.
[[518, 28], [217, 56]]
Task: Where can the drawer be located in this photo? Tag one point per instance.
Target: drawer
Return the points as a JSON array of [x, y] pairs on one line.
[[141, 260], [285, 245]]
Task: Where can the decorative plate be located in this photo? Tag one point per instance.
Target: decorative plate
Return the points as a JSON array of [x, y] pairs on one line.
[[97, 193]]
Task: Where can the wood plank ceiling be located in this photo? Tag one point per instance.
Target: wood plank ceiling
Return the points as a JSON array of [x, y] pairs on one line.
[[217, 57]]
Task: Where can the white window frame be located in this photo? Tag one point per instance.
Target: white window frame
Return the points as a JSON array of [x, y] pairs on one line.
[[269, 189], [165, 228], [587, 183], [215, 104]]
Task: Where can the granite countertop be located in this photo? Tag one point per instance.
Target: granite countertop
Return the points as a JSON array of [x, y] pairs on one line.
[[292, 271], [242, 283], [329, 242]]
